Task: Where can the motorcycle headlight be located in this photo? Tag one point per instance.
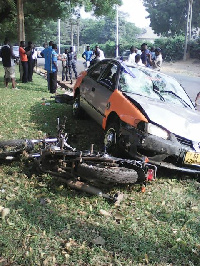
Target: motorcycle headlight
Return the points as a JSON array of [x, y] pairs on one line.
[[157, 131]]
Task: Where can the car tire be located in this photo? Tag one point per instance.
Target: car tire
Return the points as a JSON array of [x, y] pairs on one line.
[[111, 139], [106, 174]]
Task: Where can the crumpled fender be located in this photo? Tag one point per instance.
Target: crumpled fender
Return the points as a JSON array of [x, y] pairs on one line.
[[126, 110], [79, 80]]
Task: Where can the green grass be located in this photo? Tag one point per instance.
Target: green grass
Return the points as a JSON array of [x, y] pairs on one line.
[[50, 224]]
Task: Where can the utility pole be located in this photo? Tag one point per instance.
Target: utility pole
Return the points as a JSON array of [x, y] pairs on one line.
[[20, 19], [72, 33], [59, 35], [78, 34], [117, 32], [188, 28]]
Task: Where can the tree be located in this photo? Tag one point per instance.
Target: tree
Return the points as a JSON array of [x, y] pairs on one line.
[[102, 30], [39, 11], [188, 28], [168, 17]]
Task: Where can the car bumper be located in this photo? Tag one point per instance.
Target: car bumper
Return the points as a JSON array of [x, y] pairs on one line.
[[160, 152]]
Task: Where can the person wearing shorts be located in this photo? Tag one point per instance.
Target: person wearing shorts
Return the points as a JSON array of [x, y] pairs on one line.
[[8, 63]]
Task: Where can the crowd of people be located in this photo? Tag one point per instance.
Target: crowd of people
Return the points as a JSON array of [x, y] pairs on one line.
[[149, 58], [28, 57], [28, 60], [92, 57]]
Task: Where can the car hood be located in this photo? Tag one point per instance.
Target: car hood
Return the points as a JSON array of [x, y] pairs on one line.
[[179, 120]]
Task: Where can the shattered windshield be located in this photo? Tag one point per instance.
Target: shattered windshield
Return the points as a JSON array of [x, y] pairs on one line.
[[154, 85]]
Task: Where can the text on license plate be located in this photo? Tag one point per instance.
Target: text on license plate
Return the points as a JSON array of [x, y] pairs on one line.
[[192, 158]]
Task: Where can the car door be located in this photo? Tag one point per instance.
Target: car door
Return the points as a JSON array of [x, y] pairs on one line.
[[88, 87], [101, 92]]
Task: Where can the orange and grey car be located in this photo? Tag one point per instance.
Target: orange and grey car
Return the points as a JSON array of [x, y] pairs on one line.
[[143, 113]]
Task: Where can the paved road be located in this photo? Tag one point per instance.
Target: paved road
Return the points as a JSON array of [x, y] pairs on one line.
[[190, 84], [80, 66]]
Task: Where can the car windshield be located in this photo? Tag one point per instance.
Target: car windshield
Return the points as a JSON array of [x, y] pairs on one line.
[[154, 85]]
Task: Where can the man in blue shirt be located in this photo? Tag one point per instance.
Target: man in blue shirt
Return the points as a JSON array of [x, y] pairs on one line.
[[87, 55], [47, 54], [54, 70], [145, 56]]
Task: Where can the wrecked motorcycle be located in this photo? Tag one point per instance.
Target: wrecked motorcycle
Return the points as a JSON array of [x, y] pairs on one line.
[[56, 157]]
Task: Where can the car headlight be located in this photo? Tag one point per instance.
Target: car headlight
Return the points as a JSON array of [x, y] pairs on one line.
[[157, 131]]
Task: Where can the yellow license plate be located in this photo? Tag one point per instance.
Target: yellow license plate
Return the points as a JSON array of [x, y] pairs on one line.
[[192, 158]]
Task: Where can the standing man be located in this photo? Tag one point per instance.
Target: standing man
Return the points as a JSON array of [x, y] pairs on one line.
[[131, 57], [24, 61], [157, 63], [47, 54], [65, 65], [87, 55], [34, 57], [29, 50], [96, 58], [54, 70], [100, 51], [145, 56], [72, 60], [8, 57]]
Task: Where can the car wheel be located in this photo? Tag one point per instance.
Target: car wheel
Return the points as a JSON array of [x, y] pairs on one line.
[[106, 174], [77, 107], [111, 139]]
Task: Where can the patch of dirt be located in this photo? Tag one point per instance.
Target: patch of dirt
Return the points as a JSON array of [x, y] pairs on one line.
[[190, 67]]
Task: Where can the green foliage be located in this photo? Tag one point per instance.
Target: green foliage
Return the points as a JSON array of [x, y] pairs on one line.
[[38, 13], [172, 48], [195, 49], [169, 17], [103, 31]]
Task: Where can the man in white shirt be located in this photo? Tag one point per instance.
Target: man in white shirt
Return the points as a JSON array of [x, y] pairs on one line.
[[101, 57], [131, 57], [158, 60]]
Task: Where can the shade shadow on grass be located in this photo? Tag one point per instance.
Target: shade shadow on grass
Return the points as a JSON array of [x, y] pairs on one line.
[[121, 240], [82, 133]]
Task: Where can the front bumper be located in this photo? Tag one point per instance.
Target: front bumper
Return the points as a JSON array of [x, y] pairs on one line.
[[160, 152]]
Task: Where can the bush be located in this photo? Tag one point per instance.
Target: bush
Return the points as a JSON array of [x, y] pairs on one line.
[[195, 49], [172, 48]]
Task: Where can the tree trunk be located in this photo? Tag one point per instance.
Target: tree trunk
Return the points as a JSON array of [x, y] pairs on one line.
[[72, 34], [188, 29], [20, 17], [78, 35]]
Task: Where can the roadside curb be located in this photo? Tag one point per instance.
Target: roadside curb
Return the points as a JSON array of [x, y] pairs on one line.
[[63, 84]]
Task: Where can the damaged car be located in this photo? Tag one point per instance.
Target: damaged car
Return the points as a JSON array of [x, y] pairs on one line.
[[144, 113]]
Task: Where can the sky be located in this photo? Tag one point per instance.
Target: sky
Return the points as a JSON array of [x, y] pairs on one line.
[[136, 12]]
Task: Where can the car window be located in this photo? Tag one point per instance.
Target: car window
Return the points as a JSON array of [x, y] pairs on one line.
[[97, 70], [109, 76]]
